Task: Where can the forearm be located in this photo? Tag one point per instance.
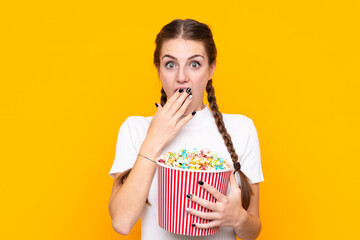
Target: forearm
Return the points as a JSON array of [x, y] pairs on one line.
[[249, 229], [128, 202]]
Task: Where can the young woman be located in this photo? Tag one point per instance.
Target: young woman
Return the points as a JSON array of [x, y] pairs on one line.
[[185, 59]]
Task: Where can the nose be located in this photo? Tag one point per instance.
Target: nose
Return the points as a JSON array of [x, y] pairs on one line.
[[182, 75]]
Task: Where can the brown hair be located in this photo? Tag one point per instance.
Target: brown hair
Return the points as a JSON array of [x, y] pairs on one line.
[[190, 29]]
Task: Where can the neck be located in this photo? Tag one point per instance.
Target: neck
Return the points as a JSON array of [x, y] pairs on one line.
[[200, 107]]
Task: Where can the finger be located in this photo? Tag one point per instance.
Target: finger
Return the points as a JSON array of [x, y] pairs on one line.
[[158, 108], [178, 103], [208, 225], [182, 109], [213, 191], [171, 100], [204, 203], [203, 215], [185, 119], [233, 182]]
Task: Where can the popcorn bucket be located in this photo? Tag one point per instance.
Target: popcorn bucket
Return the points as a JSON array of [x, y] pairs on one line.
[[174, 184]]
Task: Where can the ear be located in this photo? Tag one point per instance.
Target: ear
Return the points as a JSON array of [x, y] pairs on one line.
[[212, 69]]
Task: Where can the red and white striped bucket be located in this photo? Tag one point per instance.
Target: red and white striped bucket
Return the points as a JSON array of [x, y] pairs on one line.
[[174, 184]]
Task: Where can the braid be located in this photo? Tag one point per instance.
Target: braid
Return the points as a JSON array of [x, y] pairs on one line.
[[246, 190], [163, 98]]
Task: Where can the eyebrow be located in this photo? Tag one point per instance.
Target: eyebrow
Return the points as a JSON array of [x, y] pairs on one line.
[[196, 55]]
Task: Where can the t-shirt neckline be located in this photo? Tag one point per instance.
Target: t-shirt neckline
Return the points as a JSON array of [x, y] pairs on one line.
[[201, 118]]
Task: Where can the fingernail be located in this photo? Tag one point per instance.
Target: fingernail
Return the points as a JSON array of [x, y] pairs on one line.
[[189, 195], [187, 210], [188, 90], [193, 225], [201, 182], [193, 113], [190, 97], [156, 104], [181, 90]]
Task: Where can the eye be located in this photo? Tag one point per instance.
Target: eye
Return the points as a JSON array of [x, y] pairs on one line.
[[171, 64], [196, 63]]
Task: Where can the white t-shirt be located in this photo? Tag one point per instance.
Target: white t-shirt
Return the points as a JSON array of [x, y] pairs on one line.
[[200, 132]]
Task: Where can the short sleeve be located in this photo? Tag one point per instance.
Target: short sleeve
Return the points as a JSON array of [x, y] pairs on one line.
[[251, 159], [125, 153]]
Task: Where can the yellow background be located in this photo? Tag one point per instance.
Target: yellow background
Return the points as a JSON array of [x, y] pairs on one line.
[[72, 71]]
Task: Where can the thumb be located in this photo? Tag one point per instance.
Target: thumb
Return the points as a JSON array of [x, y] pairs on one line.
[[233, 183]]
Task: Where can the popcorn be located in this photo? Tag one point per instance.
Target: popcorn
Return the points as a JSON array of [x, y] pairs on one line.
[[204, 159]]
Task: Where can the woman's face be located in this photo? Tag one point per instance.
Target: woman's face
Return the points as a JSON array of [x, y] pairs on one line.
[[184, 63]]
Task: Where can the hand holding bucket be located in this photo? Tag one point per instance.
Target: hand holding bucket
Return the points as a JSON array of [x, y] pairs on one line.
[[173, 186]]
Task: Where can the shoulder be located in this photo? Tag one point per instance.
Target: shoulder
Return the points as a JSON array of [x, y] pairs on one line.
[[237, 120], [138, 120], [134, 129], [137, 124], [238, 126]]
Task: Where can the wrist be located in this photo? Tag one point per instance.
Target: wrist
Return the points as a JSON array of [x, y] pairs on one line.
[[149, 150], [241, 219]]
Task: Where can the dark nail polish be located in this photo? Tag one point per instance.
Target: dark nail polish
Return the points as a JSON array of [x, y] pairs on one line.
[[201, 182], [193, 113], [188, 90], [193, 225], [181, 90], [156, 104], [189, 195]]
